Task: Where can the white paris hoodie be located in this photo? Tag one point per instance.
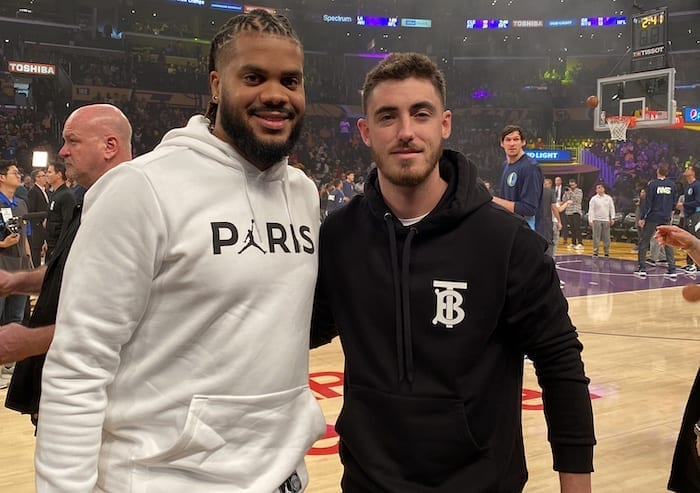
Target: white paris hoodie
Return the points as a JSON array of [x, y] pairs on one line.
[[180, 359]]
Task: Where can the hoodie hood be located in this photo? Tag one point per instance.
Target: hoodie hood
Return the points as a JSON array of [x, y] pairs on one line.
[[465, 193], [196, 136]]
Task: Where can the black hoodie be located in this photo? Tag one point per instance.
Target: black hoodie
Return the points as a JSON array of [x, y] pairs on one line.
[[434, 320]]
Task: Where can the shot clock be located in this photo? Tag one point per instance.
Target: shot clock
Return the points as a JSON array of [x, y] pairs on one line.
[[650, 40]]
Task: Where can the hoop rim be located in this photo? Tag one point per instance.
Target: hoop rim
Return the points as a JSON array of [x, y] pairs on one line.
[[621, 118]]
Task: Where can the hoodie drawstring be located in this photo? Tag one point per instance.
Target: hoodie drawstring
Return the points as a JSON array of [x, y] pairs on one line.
[[406, 302], [404, 339], [287, 195]]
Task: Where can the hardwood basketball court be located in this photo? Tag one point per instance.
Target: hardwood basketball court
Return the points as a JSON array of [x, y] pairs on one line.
[[641, 351]]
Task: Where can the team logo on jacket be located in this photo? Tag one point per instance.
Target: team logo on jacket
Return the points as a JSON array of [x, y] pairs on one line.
[[512, 179], [448, 306]]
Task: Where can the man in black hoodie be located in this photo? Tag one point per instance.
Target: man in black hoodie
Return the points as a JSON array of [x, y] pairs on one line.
[[446, 294]]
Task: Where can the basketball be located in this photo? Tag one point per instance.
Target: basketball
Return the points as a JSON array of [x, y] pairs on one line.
[[691, 292], [592, 101]]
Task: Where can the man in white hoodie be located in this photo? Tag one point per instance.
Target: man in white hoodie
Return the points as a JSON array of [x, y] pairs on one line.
[[180, 356]]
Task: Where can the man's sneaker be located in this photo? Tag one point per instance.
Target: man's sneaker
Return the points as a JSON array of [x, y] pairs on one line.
[[651, 262], [690, 268], [662, 261], [607, 255], [579, 247], [595, 255], [672, 276], [642, 274]]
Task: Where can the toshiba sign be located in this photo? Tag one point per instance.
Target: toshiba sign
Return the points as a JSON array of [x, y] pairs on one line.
[[31, 68]]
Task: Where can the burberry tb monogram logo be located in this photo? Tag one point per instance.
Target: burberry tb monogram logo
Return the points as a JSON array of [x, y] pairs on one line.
[[448, 309]]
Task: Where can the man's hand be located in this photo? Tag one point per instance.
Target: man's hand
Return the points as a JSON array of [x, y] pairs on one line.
[[6, 283], [10, 240], [676, 237], [17, 342], [574, 483], [12, 342]]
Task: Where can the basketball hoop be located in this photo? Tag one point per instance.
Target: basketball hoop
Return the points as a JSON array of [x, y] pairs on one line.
[[618, 126]]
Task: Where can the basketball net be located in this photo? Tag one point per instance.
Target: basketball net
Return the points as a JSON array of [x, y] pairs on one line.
[[618, 126]]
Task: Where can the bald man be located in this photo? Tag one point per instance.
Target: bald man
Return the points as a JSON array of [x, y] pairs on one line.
[[96, 139]]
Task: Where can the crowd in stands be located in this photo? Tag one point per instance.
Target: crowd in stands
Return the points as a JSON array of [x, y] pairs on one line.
[[635, 161], [327, 150], [182, 66], [483, 102], [21, 132]]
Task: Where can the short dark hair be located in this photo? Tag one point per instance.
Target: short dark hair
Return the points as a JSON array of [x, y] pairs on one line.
[[36, 172], [509, 129], [663, 169], [401, 66], [60, 168], [5, 166], [696, 169], [256, 21]]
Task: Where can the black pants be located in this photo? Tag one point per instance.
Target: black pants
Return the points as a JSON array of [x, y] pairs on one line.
[[574, 221], [646, 236]]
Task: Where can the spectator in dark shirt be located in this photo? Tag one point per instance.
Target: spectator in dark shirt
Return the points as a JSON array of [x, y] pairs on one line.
[[61, 204]]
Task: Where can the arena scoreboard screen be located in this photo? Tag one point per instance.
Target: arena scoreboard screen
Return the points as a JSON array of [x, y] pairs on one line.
[[650, 40]]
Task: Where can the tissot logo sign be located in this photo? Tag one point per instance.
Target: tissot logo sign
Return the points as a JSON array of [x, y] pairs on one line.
[[31, 68]]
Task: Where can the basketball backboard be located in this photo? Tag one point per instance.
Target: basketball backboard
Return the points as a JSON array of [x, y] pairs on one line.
[[648, 96]]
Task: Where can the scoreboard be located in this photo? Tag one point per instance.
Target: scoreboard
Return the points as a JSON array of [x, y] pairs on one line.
[[650, 40]]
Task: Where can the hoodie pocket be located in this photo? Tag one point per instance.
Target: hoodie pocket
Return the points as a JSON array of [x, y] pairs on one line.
[[420, 439], [250, 442]]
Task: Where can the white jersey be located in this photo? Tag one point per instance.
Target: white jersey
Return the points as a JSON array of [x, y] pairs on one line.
[[180, 359]]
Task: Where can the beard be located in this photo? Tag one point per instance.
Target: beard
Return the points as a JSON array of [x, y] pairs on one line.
[[407, 175], [261, 153]]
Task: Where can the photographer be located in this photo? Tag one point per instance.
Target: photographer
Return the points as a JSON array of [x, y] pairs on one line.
[[14, 247]]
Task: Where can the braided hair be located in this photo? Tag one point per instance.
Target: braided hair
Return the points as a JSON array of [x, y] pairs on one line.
[[257, 21]]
